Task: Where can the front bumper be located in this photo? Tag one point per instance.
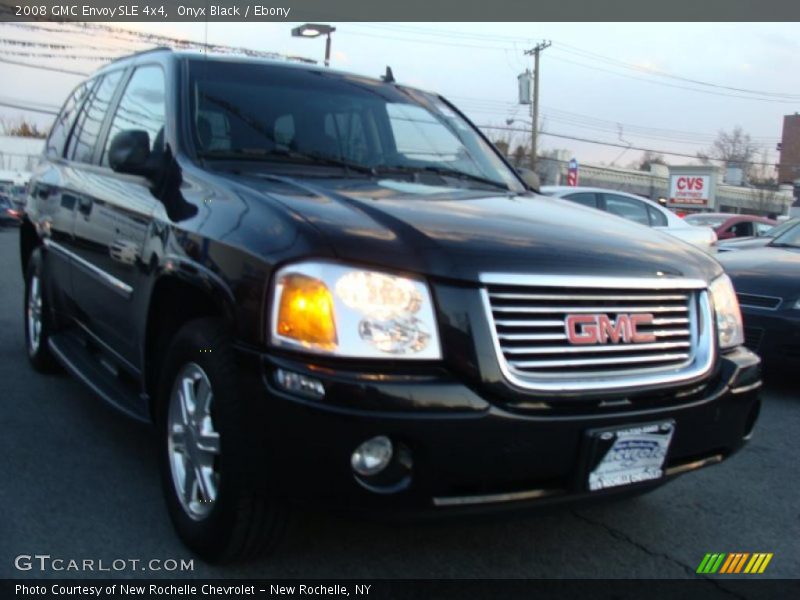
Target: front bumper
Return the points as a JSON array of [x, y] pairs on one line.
[[467, 452]]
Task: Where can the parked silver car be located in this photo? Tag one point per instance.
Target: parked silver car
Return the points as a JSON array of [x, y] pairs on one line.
[[637, 209]]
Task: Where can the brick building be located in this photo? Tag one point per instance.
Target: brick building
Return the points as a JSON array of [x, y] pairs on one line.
[[789, 166]]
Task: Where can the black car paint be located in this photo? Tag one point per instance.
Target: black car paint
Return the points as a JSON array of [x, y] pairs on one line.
[[769, 271], [224, 228]]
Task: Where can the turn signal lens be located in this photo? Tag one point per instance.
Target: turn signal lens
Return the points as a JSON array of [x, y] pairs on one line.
[[305, 313]]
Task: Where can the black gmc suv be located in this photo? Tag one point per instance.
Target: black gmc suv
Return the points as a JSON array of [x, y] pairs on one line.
[[327, 288]]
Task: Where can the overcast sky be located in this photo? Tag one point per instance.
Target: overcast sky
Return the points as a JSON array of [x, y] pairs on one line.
[[600, 81]]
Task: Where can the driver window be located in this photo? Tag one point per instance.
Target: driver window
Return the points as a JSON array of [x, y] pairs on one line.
[[743, 229], [142, 108]]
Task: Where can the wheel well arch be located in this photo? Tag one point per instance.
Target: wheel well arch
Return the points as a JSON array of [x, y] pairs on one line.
[[174, 302]]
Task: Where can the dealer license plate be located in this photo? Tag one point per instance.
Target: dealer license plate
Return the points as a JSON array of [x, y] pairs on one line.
[[629, 455]]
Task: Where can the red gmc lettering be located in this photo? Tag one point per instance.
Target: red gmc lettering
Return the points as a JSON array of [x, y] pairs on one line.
[[600, 329]]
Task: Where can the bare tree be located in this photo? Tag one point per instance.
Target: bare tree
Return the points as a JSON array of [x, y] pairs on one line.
[[21, 128], [650, 158], [764, 174], [734, 148]]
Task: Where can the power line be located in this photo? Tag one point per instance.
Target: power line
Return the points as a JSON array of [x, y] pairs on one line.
[[656, 72], [57, 46], [554, 113], [43, 67], [615, 145], [28, 108], [59, 56], [672, 85], [755, 95], [564, 47]]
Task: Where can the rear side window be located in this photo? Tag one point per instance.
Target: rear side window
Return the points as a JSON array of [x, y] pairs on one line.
[[141, 108], [63, 124], [584, 198], [90, 120], [628, 208], [657, 218]]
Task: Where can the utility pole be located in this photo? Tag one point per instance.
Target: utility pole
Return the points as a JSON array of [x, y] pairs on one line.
[[535, 51]]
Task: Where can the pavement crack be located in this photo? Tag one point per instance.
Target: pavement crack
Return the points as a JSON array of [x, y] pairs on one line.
[[624, 537]]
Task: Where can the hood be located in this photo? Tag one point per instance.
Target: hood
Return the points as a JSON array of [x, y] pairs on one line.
[[767, 270], [745, 243], [460, 233]]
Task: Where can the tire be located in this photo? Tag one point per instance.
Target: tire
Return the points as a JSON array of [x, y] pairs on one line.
[[221, 517], [37, 317]]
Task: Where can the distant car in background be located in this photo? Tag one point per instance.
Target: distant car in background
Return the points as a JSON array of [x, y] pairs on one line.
[[10, 214], [759, 241], [767, 284], [637, 209], [728, 226]]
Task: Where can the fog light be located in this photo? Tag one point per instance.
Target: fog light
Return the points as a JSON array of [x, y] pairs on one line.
[[300, 384], [373, 456]]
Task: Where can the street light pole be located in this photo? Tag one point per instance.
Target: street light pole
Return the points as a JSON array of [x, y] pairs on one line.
[[535, 51], [328, 50], [312, 30]]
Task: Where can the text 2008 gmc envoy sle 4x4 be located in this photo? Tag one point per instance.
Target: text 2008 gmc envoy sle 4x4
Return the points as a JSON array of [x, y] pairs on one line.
[[327, 288]]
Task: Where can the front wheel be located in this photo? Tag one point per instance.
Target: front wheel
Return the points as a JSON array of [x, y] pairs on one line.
[[213, 505], [38, 324]]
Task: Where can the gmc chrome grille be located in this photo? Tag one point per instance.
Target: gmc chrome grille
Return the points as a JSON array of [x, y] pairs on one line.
[[625, 332]]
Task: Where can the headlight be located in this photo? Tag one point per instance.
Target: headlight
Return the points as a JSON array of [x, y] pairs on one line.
[[726, 307], [797, 304], [346, 311]]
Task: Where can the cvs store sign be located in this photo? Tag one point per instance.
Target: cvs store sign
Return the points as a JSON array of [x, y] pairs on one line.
[[689, 190]]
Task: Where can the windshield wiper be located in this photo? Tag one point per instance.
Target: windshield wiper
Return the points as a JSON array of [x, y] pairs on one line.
[[282, 155], [444, 171], [782, 245]]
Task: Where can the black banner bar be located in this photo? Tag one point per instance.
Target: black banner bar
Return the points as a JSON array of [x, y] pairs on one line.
[[405, 10], [707, 588]]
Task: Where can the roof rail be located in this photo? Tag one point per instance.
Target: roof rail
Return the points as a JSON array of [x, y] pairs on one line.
[[127, 56]]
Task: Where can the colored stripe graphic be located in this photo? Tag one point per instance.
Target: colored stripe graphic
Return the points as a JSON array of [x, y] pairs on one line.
[[730, 561], [711, 563], [734, 563]]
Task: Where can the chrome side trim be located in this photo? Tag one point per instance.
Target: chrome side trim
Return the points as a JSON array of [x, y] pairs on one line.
[[494, 498], [699, 363], [590, 281], [110, 281], [692, 466]]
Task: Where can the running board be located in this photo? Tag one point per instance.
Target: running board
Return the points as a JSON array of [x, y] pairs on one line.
[[74, 354]]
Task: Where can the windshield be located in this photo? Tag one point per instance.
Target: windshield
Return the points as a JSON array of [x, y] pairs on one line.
[[291, 116], [782, 228], [705, 220], [790, 237]]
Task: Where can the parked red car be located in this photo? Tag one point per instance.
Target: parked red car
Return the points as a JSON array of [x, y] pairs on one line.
[[729, 226]]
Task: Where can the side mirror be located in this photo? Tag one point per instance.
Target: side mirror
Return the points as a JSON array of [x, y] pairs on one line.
[[129, 152], [530, 178]]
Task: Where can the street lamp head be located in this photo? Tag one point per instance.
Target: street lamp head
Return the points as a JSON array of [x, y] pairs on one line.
[[312, 30]]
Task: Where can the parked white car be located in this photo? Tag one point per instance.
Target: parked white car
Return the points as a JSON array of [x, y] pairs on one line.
[[637, 209]]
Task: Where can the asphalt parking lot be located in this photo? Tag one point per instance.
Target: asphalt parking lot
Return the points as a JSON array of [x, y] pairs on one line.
[[79, 481]]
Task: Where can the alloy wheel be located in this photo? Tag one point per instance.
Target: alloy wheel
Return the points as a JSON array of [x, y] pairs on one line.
[[193, 443]]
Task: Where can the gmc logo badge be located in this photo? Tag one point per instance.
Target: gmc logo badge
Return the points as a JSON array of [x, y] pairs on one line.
[[601, 329]]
